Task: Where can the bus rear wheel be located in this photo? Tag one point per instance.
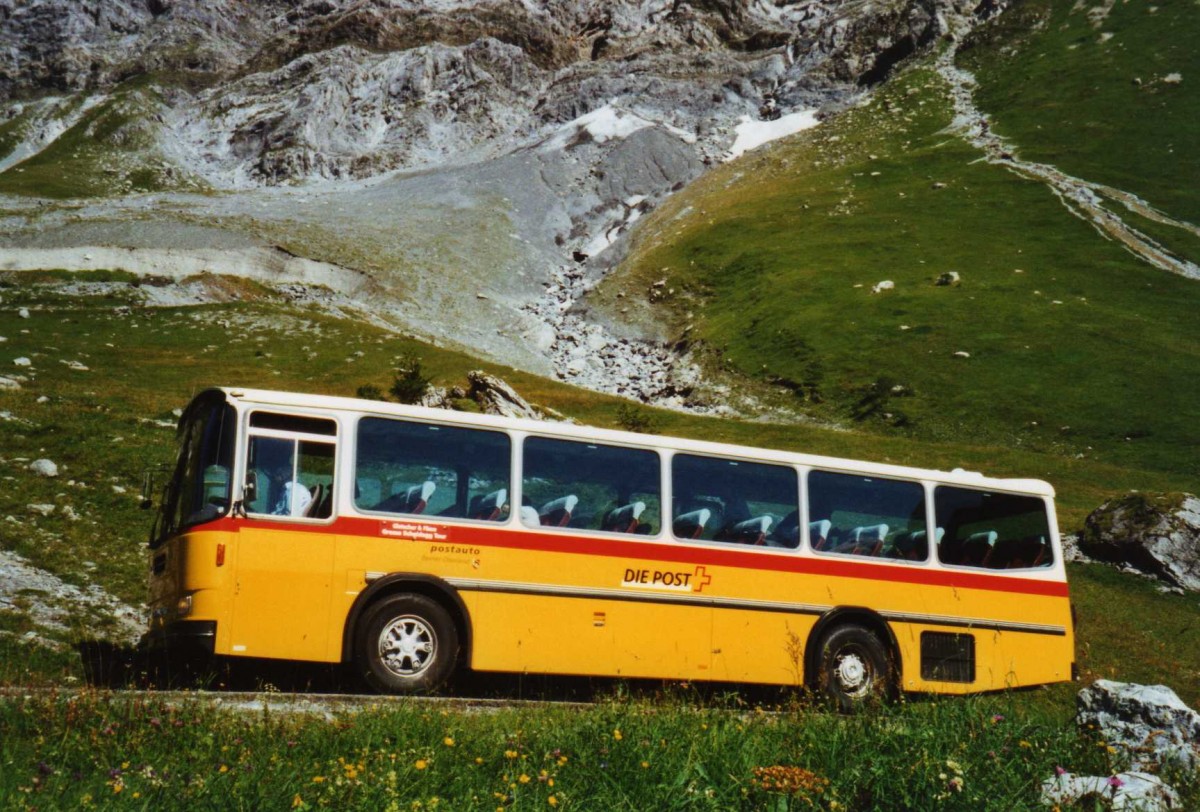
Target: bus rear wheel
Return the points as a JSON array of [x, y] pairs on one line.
[[408, 644], [855, 668]]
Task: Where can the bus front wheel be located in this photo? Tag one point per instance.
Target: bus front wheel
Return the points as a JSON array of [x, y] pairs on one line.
[[408, 644], [855, 668]]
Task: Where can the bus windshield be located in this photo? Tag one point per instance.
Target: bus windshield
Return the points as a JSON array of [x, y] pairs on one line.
[[199, 490]]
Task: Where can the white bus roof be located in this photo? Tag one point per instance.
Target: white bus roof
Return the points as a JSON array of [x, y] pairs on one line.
[[576, 431]]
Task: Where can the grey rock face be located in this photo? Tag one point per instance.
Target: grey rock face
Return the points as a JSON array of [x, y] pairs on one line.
[[497, 397], [489, 155], [1150, 722], [1125, 792], [1157, 534]]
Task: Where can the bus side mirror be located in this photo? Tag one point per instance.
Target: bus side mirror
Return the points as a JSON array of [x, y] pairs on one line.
[[250, 488]]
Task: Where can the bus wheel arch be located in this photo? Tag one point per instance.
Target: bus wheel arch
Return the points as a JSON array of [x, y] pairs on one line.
[[390, 586], [852, 657]]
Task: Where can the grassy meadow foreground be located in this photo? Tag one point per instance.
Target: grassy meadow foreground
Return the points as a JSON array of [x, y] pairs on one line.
[[670, 752]]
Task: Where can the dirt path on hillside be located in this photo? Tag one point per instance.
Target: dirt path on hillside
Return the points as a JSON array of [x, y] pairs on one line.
[[1082, 198]]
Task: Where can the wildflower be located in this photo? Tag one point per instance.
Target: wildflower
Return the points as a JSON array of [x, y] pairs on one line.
[[999, 717], [510, 753], [421, 764], [552, 801], [617, 735], [224, 769], [524, 779], [645, 765], [954, 766], [1025, 744], [1059, 770], [448, 741], [137, 795], [297, 802], [318, 779], [478, 760], [955, 783], [543, 777], [1115, 782], [562, 760]]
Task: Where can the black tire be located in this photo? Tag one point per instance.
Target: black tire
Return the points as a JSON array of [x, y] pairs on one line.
[[407, 644], [854, 668]]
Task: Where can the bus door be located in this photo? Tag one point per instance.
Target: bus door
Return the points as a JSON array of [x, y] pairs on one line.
[[285, 544]]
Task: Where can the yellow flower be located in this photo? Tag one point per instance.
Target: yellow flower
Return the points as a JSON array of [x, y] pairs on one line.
[[510, 753], [552, 801], [562, 760], [137, 795], [645, 765], [617, 735], [317, 779], [478, 760], [421, 764], [524, 779], [224, 769], [297, 801], [448, 741], [1024, 743]]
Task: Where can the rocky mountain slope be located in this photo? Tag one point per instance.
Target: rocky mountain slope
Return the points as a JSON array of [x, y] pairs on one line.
[[479, 162]]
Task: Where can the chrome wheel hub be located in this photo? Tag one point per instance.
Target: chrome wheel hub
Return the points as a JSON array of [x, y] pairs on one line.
[[851, 674], [407, 646]]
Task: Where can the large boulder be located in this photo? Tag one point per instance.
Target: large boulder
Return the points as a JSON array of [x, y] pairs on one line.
[[1158, 534], [1149, 722], [1125, 792], [495, 396]]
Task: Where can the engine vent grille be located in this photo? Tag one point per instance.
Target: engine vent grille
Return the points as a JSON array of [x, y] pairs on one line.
[[947, 657]]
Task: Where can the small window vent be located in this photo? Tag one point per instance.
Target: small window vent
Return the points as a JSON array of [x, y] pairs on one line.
[[947, 657]]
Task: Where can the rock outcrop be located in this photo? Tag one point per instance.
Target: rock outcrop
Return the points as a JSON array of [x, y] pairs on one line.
[[1147, 725], [1158, 534], [1148, 722]]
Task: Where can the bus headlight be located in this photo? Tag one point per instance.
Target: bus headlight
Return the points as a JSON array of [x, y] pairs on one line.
[[183, 607]]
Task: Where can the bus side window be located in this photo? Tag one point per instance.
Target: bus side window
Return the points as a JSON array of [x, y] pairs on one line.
[[866, 516], [293, 473], [590, 486], [410, 468], [735, 501], [991, 530]]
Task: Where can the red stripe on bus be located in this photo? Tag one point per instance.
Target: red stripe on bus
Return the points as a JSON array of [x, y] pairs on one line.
[[615, 547]]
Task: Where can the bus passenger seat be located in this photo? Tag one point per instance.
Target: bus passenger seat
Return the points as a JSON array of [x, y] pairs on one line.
[[624, 519], [818, 533], [977, 548], [529, 516], [691, 525], [558, 512], [487, 507], [787, 532], [748, 531], [870, 539], [412, 499], [314, 506]]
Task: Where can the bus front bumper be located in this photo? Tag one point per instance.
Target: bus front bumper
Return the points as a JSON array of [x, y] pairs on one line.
[[191, 636]]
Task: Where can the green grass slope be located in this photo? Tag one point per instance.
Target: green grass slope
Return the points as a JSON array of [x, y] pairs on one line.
[[109, 151], [1109, 92], [1076, 348]]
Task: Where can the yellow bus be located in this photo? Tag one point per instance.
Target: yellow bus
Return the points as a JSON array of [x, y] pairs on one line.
[[413, 542]]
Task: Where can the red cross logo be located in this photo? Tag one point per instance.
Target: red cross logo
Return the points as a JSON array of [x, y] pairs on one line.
[[703, 579]]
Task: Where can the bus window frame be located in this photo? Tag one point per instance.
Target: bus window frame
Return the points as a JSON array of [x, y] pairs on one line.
[[520, 437], [243, 459], [668, 506], [927, 488], [351, 464], [1053, 539]]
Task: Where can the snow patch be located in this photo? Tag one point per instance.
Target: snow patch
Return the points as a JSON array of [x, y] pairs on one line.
[[753, 134]]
